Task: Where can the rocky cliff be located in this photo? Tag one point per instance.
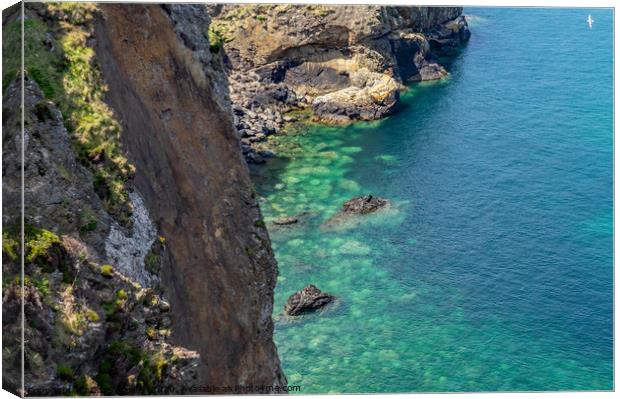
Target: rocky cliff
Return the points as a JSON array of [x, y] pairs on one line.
[[178, 132], [343, 63], [147, 266]]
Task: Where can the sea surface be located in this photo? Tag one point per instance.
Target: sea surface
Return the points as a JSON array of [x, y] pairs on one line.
[[493, 269]]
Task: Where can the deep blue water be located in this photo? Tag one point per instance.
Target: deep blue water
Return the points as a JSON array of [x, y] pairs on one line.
[[494, 269]]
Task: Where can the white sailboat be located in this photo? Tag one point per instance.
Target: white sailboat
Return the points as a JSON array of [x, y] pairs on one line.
[[590, 21]]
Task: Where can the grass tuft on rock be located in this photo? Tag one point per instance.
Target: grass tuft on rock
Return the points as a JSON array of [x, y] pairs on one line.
[[218, 35], [151, 333], [10, 246], [38, 242], [64, 372], [88, 221], [121, 294], [107, 271], [92, 316], [85, 385]]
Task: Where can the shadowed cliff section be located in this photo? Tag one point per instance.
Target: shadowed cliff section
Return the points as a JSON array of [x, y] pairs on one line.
[[189, 168]]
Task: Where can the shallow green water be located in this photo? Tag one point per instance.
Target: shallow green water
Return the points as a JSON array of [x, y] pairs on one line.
[[493, 269]]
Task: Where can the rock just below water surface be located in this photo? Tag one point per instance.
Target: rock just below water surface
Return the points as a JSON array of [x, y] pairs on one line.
[[286, 220]]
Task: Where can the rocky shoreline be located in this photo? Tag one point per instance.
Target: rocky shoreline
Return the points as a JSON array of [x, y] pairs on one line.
[[339, 64]]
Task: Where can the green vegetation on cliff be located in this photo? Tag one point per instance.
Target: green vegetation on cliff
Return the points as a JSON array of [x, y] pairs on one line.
[[218, 35], [151, 368], [43, 63], [59, 58], [10, 246], [70, 313], [38, 242]]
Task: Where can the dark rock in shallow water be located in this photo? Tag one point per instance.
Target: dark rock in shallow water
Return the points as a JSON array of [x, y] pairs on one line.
[[353, 210], [309, 299], [364, 204], [286, 220]]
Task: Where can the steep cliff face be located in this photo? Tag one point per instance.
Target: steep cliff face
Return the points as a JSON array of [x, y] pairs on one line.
[[343, 62], [148, 266], [196, 186], [259, 35], [89, 329]]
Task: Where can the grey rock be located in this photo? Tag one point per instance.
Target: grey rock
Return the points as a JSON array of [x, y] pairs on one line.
[[164, 306]]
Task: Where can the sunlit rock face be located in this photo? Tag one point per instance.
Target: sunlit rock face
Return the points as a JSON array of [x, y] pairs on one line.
[[344, 63]]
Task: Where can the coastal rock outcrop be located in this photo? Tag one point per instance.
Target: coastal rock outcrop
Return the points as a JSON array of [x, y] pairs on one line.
[[354, 210], [371, 96], [306, 300], [342, 62]]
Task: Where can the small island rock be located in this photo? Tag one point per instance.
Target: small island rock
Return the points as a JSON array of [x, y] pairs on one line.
[[364, 204], [309, 299], [352, 211]]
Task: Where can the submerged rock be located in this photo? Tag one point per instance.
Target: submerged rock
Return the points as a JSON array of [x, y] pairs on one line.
[[364, 204], [309, 299], [287, 220]]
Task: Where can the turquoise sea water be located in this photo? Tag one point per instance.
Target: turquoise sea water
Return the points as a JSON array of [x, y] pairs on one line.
[[493, 270]]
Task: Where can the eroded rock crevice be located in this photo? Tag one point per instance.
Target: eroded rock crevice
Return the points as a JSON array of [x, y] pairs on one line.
[[128, 248]]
